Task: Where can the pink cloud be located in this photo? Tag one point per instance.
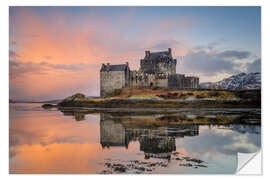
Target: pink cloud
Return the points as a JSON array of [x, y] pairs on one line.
[[90, 42]]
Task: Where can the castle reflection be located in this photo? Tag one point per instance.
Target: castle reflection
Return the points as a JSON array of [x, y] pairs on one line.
[[157, 133], [156, 142]]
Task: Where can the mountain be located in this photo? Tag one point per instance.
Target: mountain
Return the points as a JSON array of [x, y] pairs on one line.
[[239, 81]]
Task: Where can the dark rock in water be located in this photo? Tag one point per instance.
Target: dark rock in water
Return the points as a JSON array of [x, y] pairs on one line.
[[200, 165], [119, 168], [137, 166], [140, 168], [187, 165], [108, 164], [48, 106], [175, 153], [106, 172], [193, 160]]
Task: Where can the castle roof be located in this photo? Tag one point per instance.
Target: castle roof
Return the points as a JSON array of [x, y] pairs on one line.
[[117, 67], [155, 55]]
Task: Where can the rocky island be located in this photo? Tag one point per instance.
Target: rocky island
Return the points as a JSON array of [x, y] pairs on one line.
[[164, 99]]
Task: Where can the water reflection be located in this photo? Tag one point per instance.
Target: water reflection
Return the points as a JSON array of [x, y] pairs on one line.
[[159, 140], [156, 141], [43, 141]]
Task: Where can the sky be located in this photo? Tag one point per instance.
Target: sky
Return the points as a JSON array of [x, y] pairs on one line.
[[55, 52]]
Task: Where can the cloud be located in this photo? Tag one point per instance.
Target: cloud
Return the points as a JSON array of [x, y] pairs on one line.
[[255, 66], [21, 68], [13, 43], [208, 63], [210, 46], [18, 68], [57, 49], [71, 67], [165, 44], [13, 54], [234, 54]]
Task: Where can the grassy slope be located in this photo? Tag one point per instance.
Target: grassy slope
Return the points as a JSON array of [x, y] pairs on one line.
[[173, 94], [170, 99]]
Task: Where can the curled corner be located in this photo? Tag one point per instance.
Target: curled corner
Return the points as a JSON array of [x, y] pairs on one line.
[[249, 163]]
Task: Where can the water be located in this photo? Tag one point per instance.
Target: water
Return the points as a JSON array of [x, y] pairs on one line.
[[191, 141]]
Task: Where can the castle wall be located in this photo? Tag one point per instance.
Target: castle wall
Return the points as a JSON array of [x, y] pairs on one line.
[[111, 80], [162, 83], [140, 79], [191, 82], [176, 81], [158, 66]]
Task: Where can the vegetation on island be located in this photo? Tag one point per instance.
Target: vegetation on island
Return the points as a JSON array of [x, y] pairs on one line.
[[164, 98]]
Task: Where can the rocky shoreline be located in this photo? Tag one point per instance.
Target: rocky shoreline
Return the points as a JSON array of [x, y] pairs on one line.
[[145, 103], [165, 100], [139, 167]]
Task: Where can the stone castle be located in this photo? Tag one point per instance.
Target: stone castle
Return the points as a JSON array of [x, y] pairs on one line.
[[157, 69]]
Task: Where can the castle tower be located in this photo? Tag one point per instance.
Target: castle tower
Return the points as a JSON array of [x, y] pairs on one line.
[[158, 62]]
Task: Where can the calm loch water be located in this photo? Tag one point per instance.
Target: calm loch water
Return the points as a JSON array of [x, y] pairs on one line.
[[51, 141]]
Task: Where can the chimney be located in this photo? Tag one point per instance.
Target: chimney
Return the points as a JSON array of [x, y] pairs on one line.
[[170, 51], [108, 66], [127, 63], [147, 53]]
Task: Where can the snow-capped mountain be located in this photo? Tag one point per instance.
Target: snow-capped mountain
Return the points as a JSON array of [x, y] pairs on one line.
[[239, 81]]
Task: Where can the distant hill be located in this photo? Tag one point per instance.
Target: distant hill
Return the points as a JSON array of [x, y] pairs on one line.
[[56, 101], [239, 81]]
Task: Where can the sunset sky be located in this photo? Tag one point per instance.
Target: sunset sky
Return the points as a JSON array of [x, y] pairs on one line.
[[57, 51]]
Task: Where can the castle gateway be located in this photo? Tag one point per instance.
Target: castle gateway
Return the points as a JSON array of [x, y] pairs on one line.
[[157, 69]]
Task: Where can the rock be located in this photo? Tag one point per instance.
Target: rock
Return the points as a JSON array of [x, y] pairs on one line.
[[119, 168], [200, 165], [193, 160], [187, 164], [106, 172], [191, 98], [108, 164], [48, 106], [140, 168]]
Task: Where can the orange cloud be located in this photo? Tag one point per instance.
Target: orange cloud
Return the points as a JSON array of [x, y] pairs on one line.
[[45, 43]]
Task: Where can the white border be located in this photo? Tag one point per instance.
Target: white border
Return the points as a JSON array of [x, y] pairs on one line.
[[4, 75]]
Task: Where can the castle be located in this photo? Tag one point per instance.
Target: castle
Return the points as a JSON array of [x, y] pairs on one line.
[[157, 69]]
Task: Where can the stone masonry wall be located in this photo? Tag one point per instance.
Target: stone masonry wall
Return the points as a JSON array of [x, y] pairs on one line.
[[158, 66], [176, 81], [111, 80], [191, 82]]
